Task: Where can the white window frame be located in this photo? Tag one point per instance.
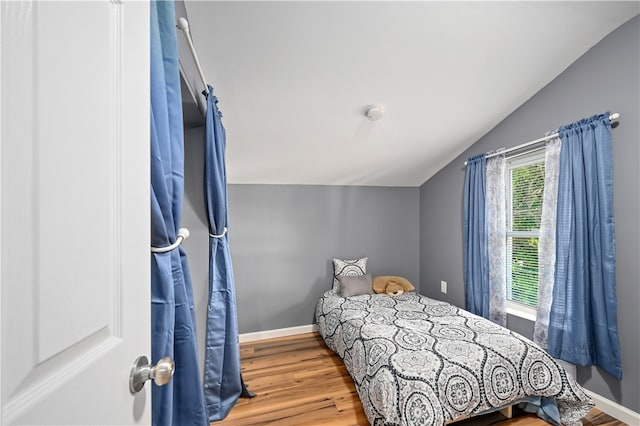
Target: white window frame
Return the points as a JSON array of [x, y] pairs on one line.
[[515, 308]]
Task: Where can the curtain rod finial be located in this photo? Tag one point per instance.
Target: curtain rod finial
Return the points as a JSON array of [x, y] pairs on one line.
[[183, 24]]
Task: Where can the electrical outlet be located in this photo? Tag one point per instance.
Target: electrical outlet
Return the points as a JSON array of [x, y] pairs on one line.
[[443, 287]]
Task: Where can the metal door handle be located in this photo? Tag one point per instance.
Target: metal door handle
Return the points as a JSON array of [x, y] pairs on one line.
[[141, 371]]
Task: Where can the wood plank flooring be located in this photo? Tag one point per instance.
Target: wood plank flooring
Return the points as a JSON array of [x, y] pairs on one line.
[[299, 381]]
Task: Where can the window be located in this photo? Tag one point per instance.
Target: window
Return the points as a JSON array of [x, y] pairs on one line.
[[524, 188]]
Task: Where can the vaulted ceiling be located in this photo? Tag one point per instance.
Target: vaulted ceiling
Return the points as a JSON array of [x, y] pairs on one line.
[[294, 79]]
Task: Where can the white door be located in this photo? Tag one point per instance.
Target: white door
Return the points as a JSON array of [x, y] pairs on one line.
[[74, 200]]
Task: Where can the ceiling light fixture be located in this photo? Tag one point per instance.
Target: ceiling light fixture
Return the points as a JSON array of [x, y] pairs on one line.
[[374, 112]]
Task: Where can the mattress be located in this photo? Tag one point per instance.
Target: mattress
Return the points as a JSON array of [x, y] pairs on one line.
[[420, 361]]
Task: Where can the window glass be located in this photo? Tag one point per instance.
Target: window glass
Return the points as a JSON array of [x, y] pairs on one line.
[[525, 185]]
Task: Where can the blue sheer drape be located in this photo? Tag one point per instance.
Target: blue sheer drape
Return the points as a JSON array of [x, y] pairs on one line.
[[181, 401], [222, 378], [476, 241], [583, 321]]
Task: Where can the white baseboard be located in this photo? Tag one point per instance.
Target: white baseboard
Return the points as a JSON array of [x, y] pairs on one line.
[[279, 332], [614, 409]]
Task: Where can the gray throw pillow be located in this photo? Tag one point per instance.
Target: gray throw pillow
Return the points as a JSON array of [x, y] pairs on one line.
[[355, 285]]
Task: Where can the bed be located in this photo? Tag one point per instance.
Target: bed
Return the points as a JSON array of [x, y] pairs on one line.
[[420, 361]]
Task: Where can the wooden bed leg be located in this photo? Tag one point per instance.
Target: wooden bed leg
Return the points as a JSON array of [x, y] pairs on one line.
[[507, 412]]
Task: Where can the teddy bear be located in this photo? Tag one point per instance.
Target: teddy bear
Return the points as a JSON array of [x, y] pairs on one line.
[[393, 286]]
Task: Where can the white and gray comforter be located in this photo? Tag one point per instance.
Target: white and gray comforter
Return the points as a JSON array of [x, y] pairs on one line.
[[419, 361]]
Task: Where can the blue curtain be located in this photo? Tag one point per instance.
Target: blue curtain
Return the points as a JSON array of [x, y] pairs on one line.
[[583, 320], [181, 401], [223, 382], [476, 240]]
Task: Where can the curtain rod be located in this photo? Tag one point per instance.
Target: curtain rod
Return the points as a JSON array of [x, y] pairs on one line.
[[183, 25], [612, 117]]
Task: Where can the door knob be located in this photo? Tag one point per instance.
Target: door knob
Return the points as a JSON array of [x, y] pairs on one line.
[[141, 371]]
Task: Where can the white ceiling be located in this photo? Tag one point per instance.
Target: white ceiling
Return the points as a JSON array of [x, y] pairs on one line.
[[295, 78]]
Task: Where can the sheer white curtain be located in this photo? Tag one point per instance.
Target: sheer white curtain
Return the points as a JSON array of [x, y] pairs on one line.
[[496, 218], [547, 242]]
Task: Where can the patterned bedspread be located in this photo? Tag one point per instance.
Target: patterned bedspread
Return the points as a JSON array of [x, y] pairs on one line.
[[419, 361]]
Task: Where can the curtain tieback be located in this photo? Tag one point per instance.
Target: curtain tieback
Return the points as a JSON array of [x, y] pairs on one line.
[[183, 234], [224, 232]]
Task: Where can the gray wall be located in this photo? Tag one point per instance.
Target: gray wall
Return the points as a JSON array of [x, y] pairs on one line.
[[605, 78], [283, 239]]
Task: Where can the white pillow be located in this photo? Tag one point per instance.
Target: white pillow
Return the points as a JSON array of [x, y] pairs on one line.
[[348, 267]]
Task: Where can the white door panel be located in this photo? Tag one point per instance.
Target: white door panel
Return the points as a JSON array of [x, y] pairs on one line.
[[75, 211]]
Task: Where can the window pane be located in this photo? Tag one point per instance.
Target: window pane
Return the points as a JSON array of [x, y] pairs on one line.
[[524, 270], [527, 184]]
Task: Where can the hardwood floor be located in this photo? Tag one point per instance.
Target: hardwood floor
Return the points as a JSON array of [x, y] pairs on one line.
[[299, 381]]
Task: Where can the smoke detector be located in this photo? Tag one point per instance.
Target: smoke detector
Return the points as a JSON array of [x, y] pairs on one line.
[[374, 112]]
